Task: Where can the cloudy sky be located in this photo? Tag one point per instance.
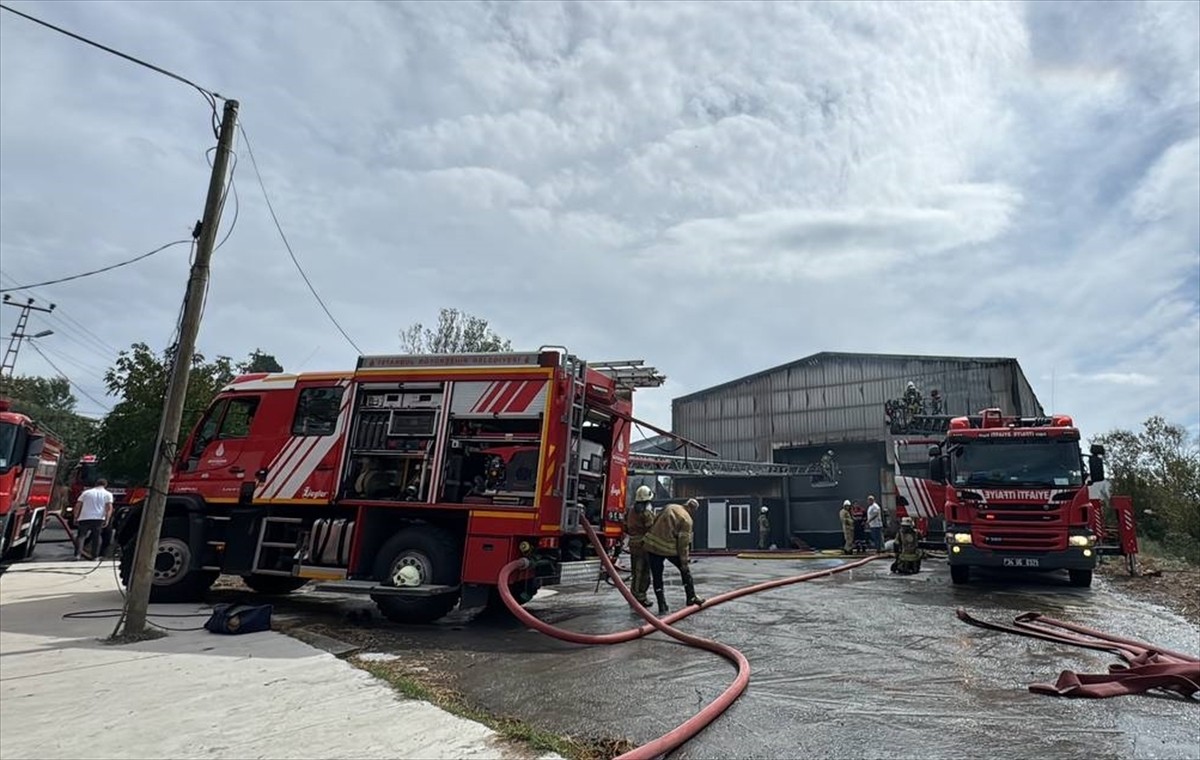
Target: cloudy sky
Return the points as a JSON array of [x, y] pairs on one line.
[[716, 188]]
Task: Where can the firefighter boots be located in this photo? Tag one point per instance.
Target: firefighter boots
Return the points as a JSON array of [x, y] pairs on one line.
[[690, 588], [661, 596]]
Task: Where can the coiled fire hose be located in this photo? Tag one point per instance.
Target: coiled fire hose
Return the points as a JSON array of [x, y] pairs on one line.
[[694, 725]]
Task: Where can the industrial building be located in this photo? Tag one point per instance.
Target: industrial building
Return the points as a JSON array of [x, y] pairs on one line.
[[794, 413]]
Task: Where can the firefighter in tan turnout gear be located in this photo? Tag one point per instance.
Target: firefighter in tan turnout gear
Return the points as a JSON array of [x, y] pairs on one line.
[[670, 540], [847, 527], [637, 522]]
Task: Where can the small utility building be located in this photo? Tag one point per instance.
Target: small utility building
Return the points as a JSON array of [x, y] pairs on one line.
[[793, 413]]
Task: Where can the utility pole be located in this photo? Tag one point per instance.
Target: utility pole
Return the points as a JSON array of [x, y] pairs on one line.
[[18, 335], [168, 433]]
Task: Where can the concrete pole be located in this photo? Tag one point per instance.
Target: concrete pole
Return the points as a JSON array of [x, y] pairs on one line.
[[165, 454]]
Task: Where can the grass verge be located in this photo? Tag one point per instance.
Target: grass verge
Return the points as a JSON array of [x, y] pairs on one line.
[[512, 729]]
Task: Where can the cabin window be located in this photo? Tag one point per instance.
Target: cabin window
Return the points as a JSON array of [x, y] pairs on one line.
[[317, 411], [739, 518]]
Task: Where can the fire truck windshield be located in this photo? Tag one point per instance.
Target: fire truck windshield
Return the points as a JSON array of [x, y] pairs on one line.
[[984, 463], [8, 442]]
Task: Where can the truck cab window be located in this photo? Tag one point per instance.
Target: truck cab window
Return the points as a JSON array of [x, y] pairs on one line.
[[317, 411], [239, 417], [8, 441]]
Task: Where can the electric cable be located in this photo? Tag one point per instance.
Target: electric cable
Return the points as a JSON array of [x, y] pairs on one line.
[[286, 244], [60, 314], [209, 96], [99, 271], [73, 384]]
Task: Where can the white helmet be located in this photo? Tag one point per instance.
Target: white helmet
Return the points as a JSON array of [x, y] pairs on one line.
[[906, 522], [846, 503], [764, 509], [643, 494]]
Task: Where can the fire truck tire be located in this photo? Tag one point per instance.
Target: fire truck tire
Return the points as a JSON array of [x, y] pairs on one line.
[[960, 575], [273, 584], [34, 534], [437, 558], [173, 581], [522, 591], [1080, 578]]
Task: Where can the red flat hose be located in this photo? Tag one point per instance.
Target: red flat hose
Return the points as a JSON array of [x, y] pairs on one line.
[[694, 725]]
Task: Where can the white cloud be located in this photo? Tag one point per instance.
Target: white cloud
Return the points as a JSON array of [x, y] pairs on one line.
[[718, 187]]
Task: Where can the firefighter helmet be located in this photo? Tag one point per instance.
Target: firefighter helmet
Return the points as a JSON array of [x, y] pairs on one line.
[[846, 503], [692, 504], [643, 494], [906, 522], [764, 509]]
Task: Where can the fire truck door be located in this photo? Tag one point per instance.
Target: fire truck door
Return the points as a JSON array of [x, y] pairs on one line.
[[218, 459]]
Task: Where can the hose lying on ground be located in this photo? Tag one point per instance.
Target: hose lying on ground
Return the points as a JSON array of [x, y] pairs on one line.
[[689, 728], [1147, 667]]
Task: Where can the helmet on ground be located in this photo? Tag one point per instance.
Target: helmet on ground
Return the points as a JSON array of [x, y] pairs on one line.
[[764, 509], [846, 503], [906, 522], [643, 494], [692, 504]]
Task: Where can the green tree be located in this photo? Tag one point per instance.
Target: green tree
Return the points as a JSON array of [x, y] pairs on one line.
[[259, 362], [126, 437], [457, 332], [1159, 468], [49, 401]]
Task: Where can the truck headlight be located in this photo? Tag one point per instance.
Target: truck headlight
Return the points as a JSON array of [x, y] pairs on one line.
[[1081, 540], [962, 538]]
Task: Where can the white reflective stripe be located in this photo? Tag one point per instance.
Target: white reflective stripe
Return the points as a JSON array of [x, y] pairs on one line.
[[278, 469], [287, 472]]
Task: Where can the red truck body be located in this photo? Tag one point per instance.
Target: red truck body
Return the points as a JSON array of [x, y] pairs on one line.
[[84, 475], [414, 479], [1014, 493], [29, 457]]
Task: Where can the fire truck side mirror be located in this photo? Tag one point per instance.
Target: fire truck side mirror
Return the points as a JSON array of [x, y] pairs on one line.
[[1096, 463], [937, 465], [33, 450]]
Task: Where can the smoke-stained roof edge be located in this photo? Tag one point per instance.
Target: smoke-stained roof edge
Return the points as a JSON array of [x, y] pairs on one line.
[[843, 355]]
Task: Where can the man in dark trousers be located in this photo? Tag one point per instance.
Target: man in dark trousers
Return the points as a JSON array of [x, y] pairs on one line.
[[670, 540]]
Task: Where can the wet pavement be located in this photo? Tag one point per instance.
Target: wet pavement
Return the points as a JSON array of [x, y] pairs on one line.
[[862, 664]]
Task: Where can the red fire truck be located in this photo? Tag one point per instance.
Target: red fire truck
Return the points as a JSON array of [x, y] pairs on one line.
[[29, 457], [84, 475], [1014, 493], [413, 478]]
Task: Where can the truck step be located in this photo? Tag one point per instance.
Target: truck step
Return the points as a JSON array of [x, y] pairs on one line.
[[371, 587]]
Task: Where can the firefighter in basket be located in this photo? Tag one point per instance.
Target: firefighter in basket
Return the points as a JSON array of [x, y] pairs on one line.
[[907, 549], [637, 522], [670, 540]]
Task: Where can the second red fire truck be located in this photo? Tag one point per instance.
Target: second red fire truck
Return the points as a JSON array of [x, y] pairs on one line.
[[29, 457], [414, 478]]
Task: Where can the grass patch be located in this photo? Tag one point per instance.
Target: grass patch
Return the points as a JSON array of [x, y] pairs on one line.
[[512, 729]]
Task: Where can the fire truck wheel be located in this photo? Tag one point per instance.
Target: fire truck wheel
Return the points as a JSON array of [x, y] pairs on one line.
[[34, 534], [173, 581], [523, 592], [1080, 578], [960, 574], [273, 584], [436, 558]]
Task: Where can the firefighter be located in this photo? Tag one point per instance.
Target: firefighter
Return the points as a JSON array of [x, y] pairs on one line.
[[912, 400], [907, 548], [670, 540], [847, 527], [637, 522], [764, 529]]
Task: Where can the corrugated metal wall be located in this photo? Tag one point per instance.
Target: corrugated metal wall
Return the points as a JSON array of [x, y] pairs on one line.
[[830, 397]]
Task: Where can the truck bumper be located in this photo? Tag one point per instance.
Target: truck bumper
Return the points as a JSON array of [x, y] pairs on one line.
[[1072, 558]]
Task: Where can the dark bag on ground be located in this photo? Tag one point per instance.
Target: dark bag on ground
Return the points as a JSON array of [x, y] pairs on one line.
[[239, 618]]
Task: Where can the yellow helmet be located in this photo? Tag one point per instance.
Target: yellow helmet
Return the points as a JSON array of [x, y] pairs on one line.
[[643, 494]]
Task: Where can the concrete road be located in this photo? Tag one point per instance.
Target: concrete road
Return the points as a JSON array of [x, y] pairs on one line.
[[864, 664]]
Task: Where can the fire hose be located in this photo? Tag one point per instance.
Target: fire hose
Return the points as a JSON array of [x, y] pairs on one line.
[[694, 725], [1147, 666]]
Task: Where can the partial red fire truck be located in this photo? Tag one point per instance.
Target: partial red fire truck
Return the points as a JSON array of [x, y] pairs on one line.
[[84, 475], [1017, 493], [414, 478], [29, 457]]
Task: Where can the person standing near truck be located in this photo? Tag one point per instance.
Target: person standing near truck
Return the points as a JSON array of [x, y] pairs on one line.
[[764, 529], [637, 522], [670, 540], [875, 523], [847, 527], [95, 507]]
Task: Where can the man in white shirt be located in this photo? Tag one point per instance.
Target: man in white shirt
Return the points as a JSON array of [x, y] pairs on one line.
[[875, 523], [94, 510]]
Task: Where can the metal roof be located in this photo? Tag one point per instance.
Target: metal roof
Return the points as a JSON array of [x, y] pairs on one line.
[[821, 355]]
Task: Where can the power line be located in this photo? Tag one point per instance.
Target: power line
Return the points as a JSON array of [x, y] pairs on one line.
[[99, 271], [59, 313], [66, 377], [209, 96], [300, 269]]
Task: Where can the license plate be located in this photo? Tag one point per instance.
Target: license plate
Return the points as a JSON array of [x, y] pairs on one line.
[[1020, 562]]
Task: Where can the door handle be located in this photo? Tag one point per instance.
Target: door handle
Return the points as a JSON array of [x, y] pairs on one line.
[[239, 471]]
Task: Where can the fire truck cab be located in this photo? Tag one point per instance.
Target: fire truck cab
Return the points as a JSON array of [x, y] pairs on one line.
[[413, 478], [29, 457]]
